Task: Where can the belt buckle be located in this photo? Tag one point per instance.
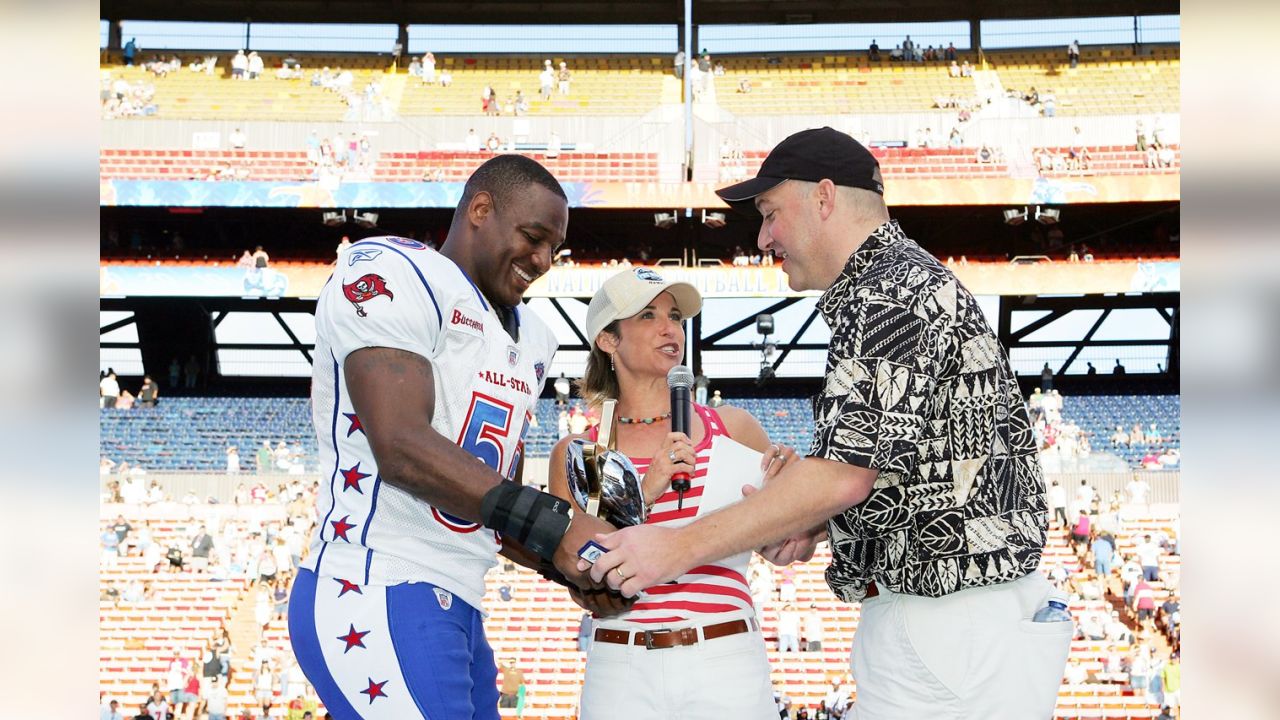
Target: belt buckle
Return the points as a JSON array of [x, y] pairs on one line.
[[648, 637]]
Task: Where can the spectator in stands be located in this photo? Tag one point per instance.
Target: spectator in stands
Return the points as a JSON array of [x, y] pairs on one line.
[[553, 146], [1136, 435], [985, 154], [108, 390], [215, 698], [1169, 458], [1073, 53], [1046, 378], [520, 103], [635, 322], [677, 65], [716, 399], [130, 51], [950, 52], [1137, 489], [191, 371], [546, 79], [908, 49], [814, 629], [472, 142], [512, 692], [788, 629], [1119, 438], [264, 687], [873, 52], [255, 66], [148, 393], [239, 65], [1058, 502], [562, 79], [1118, 369], [1148, 554], [837, 698], [1080, 531], [1103, 549]]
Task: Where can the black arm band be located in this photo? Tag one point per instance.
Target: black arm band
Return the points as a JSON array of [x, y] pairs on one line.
[[535, 519]]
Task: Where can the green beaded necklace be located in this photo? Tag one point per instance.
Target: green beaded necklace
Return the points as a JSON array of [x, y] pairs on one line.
[[646, 421]]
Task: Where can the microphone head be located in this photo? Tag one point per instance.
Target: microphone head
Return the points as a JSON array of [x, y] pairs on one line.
[[680, 376]]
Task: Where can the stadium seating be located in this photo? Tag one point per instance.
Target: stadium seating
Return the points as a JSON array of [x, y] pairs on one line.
[[821, 84], [607, 85], [199, 96], [193, 433], [572, 167], [538, 627], [1099, 415], [1106, 82]]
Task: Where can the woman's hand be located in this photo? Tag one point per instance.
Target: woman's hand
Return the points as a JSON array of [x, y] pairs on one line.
[[675, 454]]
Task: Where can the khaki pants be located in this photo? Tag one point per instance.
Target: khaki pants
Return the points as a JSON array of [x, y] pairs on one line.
[[971, 654]]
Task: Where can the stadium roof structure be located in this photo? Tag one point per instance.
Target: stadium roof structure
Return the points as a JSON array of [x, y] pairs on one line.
[[568, 12]]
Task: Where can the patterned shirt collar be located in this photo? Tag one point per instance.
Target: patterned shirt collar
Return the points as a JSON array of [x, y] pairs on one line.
[[838, 295]]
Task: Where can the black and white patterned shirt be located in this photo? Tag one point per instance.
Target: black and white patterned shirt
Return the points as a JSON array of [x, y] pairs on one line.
[[918, 388]]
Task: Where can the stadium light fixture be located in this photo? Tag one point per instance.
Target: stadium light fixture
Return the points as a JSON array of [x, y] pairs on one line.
[[764, 324], [1047, 216], [665, 221], [713, 220], [1014, 217]]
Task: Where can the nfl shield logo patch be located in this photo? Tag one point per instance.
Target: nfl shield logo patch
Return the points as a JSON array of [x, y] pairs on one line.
[[513, 355], [539, 370], [444, 597]]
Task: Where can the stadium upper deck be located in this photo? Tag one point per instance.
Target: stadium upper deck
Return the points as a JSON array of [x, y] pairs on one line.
[[1107, 81]]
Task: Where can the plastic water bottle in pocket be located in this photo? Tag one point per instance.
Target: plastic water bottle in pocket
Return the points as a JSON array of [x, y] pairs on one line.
[[1055, 610]]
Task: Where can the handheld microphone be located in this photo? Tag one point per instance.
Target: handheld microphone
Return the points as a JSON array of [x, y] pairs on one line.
[[680, 381]]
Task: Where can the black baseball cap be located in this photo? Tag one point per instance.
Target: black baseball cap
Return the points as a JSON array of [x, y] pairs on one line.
[[811, 155]]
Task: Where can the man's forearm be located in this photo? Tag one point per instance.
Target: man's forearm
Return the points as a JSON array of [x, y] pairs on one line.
[[796, 501], [439, 472]]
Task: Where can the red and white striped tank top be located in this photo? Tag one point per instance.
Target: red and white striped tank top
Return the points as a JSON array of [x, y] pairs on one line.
[[708, 593]]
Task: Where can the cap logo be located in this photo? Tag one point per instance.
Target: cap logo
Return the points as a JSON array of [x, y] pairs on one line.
[[647, 274]]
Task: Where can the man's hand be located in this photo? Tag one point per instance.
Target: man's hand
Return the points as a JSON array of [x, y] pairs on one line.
[[638, 557], [601, 602], [583, 528], [797, 548]]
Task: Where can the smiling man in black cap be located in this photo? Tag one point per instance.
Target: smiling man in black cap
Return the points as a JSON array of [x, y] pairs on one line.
[[923, 472]]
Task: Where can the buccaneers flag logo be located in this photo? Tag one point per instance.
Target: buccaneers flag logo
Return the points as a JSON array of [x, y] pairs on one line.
[[366, 288]]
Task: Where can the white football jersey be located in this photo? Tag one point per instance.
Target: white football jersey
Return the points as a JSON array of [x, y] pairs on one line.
[[398, 293]]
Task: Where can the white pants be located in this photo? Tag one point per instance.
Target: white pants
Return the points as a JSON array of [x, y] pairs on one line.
[[971, 654], [722, 679]]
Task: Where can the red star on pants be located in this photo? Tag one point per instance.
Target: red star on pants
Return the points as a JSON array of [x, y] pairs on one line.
[[351, 478], [374, 690], [355, 423], [353, 639], [340, 527], [348, 586]]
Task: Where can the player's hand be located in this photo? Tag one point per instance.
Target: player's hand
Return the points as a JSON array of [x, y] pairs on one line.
[[675, 454], [601, 602], [583, 528]]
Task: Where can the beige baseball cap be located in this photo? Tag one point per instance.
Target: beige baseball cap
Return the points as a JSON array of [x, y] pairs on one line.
[[628, 292]]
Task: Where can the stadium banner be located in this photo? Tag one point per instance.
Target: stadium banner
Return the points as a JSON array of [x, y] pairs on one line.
[[899, 191], [306, 279]]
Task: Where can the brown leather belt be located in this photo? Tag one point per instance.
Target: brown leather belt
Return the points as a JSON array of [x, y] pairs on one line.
[[668, 638], [872, 590]]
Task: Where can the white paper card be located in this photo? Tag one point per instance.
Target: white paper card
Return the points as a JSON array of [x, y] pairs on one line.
[[732, 465]]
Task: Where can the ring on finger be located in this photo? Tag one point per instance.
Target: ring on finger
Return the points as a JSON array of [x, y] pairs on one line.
[[619, 571], [671, 455]]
